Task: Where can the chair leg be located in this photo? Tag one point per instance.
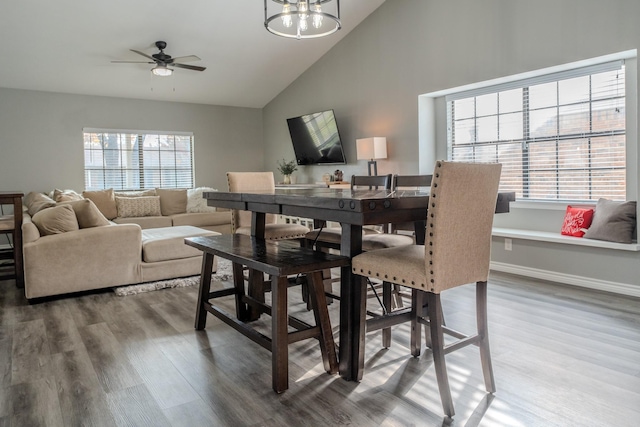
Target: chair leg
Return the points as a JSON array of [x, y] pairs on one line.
[[321, 315], [397, 297], [483, 332], [437, 347], [427, 333], [416, 327], [386, 301]]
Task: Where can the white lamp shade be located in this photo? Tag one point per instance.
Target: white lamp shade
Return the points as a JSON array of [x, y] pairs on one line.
[[371, 148], [162, 71]]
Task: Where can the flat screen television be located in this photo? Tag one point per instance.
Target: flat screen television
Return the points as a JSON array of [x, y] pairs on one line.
[[316, 139]]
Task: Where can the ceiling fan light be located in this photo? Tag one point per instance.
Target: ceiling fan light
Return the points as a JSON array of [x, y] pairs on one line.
[[162, 71]]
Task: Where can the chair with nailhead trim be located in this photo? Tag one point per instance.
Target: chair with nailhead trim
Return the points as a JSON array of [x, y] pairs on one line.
[[456, 252]]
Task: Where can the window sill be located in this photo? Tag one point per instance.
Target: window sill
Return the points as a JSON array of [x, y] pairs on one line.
[[547, 236]]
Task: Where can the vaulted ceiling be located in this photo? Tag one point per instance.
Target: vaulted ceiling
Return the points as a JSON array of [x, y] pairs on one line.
[[67, 46]]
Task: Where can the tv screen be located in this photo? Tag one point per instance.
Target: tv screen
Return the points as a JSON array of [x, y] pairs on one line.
[[316, 139]]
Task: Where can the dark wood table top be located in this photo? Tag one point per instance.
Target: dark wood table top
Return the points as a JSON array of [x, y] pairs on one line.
[[361, 207]]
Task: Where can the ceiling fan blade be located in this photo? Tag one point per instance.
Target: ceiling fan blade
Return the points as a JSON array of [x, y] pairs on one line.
[[132, 62], [186, 58], [143, 54], [189, 67]]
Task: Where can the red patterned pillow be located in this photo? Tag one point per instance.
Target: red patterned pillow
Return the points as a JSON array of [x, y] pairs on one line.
[[576, 221]]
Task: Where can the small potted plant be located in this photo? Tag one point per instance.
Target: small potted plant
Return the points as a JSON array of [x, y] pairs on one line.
[[286, 169]]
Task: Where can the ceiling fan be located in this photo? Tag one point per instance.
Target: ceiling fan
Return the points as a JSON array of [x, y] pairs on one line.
[[162, 61]]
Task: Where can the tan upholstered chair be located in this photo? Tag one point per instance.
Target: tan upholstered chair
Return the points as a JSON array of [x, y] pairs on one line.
[[241, 220], [456, 252]]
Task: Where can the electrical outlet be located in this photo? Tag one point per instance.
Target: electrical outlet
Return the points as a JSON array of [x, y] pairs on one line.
[[507, 244]]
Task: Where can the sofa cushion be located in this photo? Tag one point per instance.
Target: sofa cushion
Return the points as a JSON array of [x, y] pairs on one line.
[[163, 244], [87, 214], [138, 206], [196, 203], [56, 220], [172, 200], [35, 202], [202, 219], [146, 221], [104, 200], [65, 196]]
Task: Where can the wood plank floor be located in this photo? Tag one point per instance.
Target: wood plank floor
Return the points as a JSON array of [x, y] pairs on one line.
[[563, 356]]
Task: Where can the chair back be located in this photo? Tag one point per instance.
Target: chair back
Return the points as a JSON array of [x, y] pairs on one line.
[[459, 222], [411, 181], [240, 182], [408, 182], [377, 181]]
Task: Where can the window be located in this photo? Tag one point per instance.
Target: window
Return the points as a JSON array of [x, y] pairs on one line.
[[559, 136], [137, 160]]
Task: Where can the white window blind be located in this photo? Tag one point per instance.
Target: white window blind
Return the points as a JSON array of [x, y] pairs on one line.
[[559, 137], [127, 160]]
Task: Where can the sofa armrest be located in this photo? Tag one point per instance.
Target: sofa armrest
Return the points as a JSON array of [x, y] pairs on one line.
[[30, 232], [90, 258]]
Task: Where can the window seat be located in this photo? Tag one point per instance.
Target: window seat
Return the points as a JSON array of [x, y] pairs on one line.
[[553, 237]]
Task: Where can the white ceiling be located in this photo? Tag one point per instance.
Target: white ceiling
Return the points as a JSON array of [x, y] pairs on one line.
[[67, 46]]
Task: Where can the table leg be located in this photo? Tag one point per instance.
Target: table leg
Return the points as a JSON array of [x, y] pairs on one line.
[[17, 241], [279, 339], [203, 294], [350, 327], [258, 220], [420, 229]]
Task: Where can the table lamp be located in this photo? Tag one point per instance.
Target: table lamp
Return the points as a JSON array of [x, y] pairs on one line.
[[372, 149]]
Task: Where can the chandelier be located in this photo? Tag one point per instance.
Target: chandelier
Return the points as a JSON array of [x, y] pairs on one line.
[[302, 19]]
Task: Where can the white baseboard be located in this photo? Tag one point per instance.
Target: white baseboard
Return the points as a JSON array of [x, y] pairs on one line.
[[552, 276]]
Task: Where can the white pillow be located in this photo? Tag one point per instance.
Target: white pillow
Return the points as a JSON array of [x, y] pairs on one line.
[[195, 202]]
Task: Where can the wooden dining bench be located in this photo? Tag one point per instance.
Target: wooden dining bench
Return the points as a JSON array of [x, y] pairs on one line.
[[278, 260]]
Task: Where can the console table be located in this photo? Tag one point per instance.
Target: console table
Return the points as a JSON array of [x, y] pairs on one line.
[[14, 198]]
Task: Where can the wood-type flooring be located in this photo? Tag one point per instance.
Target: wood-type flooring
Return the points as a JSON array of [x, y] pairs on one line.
[[562, 356]]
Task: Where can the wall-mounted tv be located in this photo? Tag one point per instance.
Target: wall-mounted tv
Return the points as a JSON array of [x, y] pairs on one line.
[[316, 139]]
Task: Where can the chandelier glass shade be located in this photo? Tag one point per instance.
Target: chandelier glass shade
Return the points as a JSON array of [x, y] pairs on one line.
[[302, 19], [162, 71]]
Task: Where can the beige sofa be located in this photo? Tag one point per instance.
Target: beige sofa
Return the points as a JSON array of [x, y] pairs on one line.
[[71, 246]]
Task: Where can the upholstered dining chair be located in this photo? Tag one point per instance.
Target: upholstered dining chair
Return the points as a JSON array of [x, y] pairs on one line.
[[329, 238], [456, 252], [241, 224], [241, 220]]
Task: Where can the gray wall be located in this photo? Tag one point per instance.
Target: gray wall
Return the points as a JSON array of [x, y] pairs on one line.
[[373, 77], [42, 146]]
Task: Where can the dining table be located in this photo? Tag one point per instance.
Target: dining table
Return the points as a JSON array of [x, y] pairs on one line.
[[353, 209]]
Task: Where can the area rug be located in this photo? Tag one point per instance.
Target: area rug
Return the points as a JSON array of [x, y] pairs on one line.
[[223, 273]]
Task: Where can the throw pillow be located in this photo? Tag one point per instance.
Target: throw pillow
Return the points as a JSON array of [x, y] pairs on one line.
[[87, 214], [35, 202], [613, 221], [172, 200], [195, 202], [138, 206], [56, 220], [576, 221], [104, 200], [66, 195]]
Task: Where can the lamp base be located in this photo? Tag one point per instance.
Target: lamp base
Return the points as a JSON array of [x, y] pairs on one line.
[[372, 164]]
